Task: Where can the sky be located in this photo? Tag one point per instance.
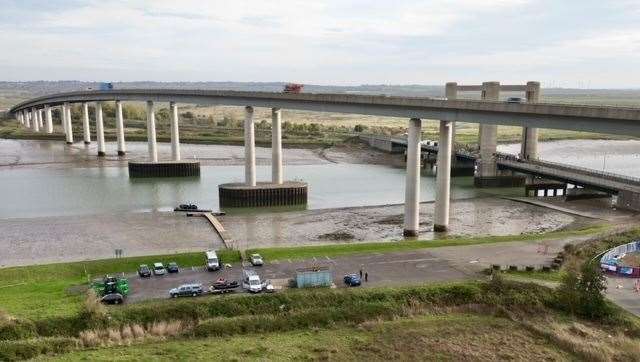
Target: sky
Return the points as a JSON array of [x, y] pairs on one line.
[[561, 43]]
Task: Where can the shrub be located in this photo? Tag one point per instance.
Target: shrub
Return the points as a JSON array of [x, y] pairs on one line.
[[582, 292], [30, 348], [93, 311], [14, 328]]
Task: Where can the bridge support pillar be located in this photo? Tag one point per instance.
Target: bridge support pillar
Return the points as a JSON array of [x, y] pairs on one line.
[[120, 129], [49, 119], [100, 130], [412, 186], [63, 118], [249, 148], [529, 145], [66, 120], [276, 146], [488, 134], [443, 177], [85, 123], [21, 117], [35, 122], [175, 132], [41, 118], [151, 132]]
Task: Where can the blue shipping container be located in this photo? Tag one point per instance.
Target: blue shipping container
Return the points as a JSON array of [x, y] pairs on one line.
[[314, 277]]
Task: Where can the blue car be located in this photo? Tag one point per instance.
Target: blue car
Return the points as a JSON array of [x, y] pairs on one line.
[[352, 280]]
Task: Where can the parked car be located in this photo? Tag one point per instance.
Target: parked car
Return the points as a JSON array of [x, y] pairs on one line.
[[158, 269], [173, 267], [352, 280], [112, 298], [186, 290], [251, 281], [256, 260], [144, 271]]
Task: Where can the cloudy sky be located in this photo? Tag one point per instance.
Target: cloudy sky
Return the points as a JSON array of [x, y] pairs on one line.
[[568, 43]]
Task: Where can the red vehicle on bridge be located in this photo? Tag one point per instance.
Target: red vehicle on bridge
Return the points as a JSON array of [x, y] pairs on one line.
[[293, 88]]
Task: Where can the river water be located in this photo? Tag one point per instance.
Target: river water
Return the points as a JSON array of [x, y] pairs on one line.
[[43, 190]]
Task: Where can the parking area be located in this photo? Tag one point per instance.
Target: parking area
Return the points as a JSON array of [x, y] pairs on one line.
[[382, 270]]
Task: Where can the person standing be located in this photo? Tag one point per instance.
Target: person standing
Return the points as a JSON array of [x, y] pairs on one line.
[[366, 276]]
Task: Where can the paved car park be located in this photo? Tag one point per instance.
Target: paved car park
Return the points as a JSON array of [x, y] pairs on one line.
[[382, 269]]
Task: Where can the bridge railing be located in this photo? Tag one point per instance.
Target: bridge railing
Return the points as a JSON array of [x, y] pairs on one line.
[[577, 169]]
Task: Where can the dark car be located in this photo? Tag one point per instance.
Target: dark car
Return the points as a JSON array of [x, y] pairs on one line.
[[352, 280], [112, 298], [186, 290], [144, 271], [516, 100], [173, 267]]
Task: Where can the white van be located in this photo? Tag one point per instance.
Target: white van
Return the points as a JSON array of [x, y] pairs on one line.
[[212, 261]]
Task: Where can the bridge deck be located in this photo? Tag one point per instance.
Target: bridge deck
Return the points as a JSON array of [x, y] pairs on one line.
[[610, 120], [572, 174]]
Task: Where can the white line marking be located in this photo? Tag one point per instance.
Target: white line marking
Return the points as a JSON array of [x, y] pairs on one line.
[[403, 261]]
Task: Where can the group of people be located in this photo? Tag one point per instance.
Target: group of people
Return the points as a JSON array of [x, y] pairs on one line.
[[366, 275]]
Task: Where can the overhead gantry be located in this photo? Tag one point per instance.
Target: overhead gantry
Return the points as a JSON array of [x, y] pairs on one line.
[[488, 113]]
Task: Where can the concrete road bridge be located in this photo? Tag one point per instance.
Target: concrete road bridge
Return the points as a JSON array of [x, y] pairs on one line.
[[627, 188], [488, 112]]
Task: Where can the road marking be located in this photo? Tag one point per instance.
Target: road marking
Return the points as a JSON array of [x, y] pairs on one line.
[[403, 261]]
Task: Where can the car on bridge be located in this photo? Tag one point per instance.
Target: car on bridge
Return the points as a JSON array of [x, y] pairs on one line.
[[516, 100]]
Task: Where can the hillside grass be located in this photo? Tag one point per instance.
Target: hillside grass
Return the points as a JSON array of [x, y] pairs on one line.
[[453, 336]]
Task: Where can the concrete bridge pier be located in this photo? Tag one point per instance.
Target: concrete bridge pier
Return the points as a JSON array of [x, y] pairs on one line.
[[151, 133], [249, 148], [100, 130], [412, 183], [488, 134], [443, 177], [258, 194], [49, 118], [63, 119], [85, 123], [175, 132], [276, 146], [529, 144], [66, 120], [28, 118], [36, 122], [120, 129], [21, 117], [41, 118]]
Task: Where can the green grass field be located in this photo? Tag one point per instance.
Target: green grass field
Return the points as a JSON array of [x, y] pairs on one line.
[[44, 290]]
